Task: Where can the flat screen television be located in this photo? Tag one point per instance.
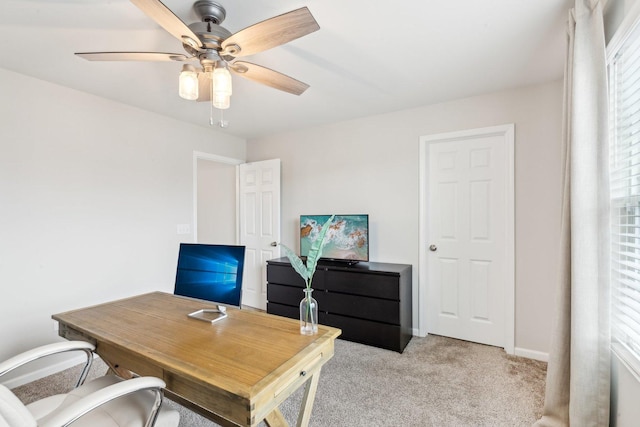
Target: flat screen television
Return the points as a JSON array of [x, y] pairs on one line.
[[211, 273], [347, 239]]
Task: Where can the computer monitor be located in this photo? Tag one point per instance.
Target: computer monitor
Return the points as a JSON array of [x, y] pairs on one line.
[[212, 273]]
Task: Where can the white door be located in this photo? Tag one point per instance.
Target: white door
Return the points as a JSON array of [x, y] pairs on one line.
[[470, 235], [259, 208]]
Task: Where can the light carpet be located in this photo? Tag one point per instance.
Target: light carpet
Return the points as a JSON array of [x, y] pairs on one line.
[[437, 381]]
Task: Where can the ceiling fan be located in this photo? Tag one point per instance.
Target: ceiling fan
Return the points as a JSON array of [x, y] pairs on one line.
[[217, 49]]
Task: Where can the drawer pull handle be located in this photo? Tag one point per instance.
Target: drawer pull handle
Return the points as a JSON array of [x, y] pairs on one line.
[[303, 373]]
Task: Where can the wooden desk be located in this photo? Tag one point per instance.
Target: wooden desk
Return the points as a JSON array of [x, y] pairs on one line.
[[234, 372]]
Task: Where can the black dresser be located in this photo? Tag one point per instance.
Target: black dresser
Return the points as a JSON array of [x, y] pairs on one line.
[[370, 301]]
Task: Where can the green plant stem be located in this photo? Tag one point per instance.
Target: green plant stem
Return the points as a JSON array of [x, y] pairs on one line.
[[308, 297]]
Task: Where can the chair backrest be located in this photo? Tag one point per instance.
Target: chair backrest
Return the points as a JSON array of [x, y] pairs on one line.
[[13, 413]]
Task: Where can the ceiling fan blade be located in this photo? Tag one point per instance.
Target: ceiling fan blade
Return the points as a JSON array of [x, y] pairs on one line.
[[133, 56], [268, 77], [160, 13], [270, 33]]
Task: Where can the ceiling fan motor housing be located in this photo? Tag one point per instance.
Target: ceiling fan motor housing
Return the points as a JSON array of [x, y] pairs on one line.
[[209, 31], [211, 35], [210, 11]]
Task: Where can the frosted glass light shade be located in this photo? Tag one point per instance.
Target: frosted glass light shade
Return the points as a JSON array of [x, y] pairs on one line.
[[221, 102], [221, 86], [188, 83]]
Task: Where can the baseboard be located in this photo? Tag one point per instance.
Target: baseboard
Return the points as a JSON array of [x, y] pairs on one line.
[[44, 371], [522, 352], [532, 354]]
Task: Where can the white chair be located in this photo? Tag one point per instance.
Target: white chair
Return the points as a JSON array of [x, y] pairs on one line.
[[107, 401]]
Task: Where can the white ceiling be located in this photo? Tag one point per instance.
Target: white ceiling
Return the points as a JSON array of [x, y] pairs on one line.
[[369, 57]]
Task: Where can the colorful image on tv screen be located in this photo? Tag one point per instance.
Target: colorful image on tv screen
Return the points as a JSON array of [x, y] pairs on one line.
[[347, 237]]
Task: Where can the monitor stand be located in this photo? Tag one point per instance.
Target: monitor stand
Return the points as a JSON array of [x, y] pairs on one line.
[[210, 314]]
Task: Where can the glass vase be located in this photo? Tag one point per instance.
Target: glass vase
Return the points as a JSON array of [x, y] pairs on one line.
[[308, 314]]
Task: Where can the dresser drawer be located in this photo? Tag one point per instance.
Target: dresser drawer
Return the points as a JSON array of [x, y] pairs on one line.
[[289, 295], [367, 284], [377, 309], [284, 274], [283, 310], [367, 332]]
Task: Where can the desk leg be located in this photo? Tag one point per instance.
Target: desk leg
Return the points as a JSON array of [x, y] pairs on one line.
[[275, 419], [307, 400], [115, 369]]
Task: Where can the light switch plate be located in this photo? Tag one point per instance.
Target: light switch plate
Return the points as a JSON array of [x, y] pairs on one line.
[[184, 229]]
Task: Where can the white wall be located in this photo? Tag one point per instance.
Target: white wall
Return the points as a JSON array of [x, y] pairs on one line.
[[614, 13], [371, 165], [91, 192]]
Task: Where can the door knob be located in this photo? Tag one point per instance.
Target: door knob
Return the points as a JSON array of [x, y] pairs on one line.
[[274, 244], [433, 248]]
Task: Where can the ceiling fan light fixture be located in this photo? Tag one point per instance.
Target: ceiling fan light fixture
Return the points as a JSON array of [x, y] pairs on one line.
[[221, 102], [188, 83], [221, 86], [217, 50]]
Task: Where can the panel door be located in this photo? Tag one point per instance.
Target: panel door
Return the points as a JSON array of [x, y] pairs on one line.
[[467, 260], [259, 200]]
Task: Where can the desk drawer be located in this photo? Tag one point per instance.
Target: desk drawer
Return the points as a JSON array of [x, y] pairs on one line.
[[292, 378], [124, 359]]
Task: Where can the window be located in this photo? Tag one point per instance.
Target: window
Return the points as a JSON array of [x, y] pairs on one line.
[[624, 93]]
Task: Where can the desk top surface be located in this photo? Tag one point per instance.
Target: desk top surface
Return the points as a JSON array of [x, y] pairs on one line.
[[242, 353]]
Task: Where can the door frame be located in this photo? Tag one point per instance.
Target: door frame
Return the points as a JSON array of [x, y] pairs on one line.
[[200, 155], [508, 133]]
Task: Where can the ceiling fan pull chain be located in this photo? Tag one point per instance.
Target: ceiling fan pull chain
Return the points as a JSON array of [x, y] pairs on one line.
[[211, 120], [211, 106], [222, 123]]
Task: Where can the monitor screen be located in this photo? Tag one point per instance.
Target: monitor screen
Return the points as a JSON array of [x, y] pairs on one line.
[[346, 240], [210, 272]]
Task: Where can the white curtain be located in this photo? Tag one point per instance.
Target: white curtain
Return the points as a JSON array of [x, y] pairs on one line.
[[578, 375]]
